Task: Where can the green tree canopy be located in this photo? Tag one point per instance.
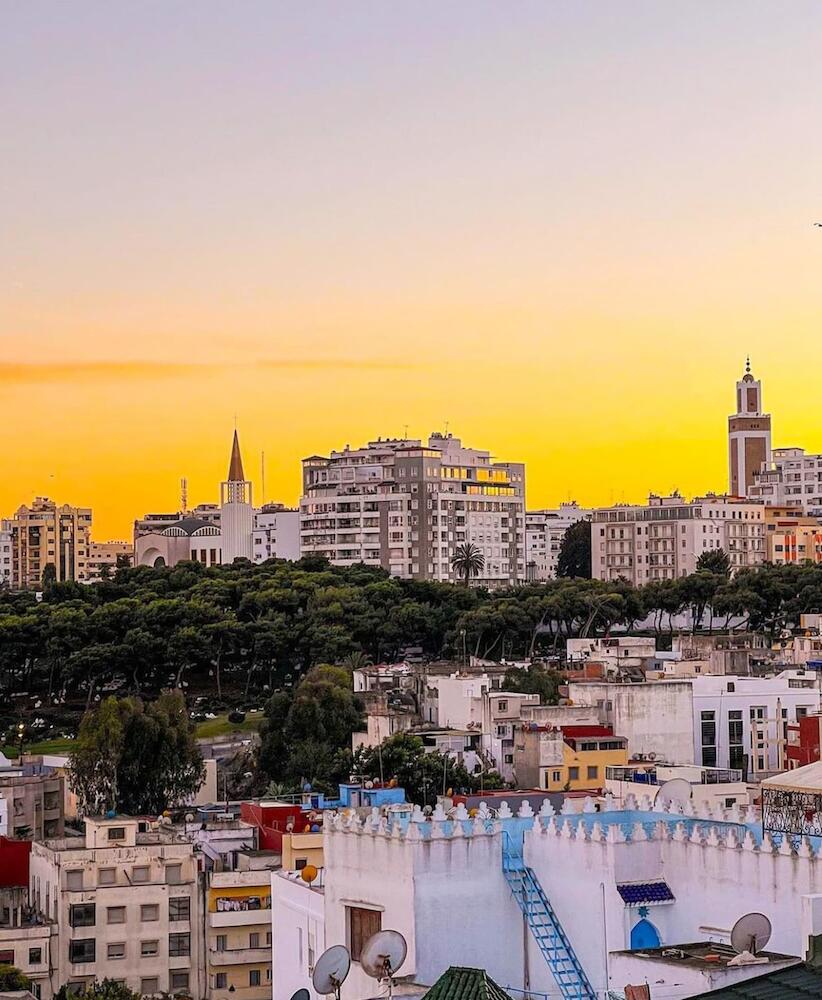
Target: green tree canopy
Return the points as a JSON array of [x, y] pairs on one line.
[[135, 758], [108, 989], [716, 561], [574, 557]]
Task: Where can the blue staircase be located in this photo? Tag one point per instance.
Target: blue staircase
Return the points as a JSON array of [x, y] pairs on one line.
[[544, 924]]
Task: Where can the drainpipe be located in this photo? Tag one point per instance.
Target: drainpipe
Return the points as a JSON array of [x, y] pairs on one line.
[[526, 966], [605, 939]]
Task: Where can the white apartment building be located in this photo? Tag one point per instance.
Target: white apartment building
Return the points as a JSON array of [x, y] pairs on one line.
[[298, 918], [791, 478], [407, 506], [544, 531], [663, 539], [276, 533], [126, 902], [742, 722]]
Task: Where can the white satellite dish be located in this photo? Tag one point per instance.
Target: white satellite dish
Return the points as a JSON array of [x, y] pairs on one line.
[[674, 790], [751, 933], [331, 969], [302, 994], [382, 954]]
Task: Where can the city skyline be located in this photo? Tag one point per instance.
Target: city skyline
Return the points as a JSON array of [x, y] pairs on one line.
[[558, 229]]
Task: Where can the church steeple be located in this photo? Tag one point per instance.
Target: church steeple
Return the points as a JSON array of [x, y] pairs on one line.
[[235, 466]]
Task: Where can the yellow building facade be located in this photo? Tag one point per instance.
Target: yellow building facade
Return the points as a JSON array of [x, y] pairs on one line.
[[238, 935], [572, 759], [792, 537]]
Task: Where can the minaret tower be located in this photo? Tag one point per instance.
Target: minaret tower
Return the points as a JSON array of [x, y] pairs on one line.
[[749, 434], [236, 512]]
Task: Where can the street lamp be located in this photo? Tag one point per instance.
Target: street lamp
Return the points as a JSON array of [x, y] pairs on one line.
[[464, 657], [20, 730]]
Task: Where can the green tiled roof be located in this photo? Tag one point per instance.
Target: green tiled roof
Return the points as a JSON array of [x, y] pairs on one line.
[[799, 982], [465, 984]]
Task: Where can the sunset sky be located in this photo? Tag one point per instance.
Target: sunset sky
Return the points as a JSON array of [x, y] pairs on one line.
[[557, 226]]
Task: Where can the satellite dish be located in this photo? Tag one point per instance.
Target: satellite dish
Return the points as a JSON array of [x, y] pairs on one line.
[[751, 933], [302, 994], [675, 790], [331, 969], [382, 954]]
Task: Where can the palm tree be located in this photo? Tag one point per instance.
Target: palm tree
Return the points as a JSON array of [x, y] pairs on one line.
[[468, 561], [357, 660]]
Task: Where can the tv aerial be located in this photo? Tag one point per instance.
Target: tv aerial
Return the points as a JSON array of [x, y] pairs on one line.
[[382, 954], [302, 994], [330, 971], [674, 790], [751, 933]]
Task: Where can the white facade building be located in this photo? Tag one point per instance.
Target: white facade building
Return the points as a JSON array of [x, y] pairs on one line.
[[406, 506], [628, 887], [276, 533], [741, 721], [664, 539], [6, 554], [791, 478], [298, 933], [544, 532]]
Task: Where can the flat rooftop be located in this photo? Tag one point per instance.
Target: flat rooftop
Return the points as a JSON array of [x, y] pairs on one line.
[[708, 954]]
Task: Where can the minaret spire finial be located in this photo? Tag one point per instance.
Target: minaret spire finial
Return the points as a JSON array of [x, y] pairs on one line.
[[748, 365], [235, 467]]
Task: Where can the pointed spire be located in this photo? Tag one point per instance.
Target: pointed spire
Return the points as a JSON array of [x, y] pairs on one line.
[[235, 468], [748, 365]]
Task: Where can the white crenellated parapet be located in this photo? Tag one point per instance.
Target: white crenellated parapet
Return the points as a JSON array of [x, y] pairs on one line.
[[638, 833], [644, 804], [630, 802], [504, 811], [567, 830], [589, 806], [461, 813], [609, 804], [525, 811], [751, 815], [417, 815], [568, 808], [438, 816], [483, 810], [546, 810]]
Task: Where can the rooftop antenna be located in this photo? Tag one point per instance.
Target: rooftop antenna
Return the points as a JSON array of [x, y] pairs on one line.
[[447, 425], [405, 437], [184, 494], [382, 954], [751, 933], [331, 970], [674, 790], [262, 472]]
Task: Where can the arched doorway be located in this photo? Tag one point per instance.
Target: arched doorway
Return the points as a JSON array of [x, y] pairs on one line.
[[644, 935]]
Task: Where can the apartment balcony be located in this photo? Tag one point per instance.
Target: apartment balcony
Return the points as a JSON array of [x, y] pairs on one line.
[[239, 918], [239, 956]]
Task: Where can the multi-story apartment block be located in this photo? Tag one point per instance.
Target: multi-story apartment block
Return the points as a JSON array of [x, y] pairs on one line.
[[105, 557], [276, 533], [238, 931], [47, 534], [665, 538], [125, 899], [6, 549], [407, 506], [544, 531], [790, 478], [32, 804], [792, 537]]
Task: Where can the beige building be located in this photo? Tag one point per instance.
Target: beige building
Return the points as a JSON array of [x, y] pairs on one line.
[[544, 532], [238, 931], [32, 806], [6, 548], [406, 506], [792, 537], [125, 899], [664, 539], [47, 534], [104, 558], [26, 941]]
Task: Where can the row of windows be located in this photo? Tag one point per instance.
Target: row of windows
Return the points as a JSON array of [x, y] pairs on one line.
[[85, 914], [84, 950], [139, 874]]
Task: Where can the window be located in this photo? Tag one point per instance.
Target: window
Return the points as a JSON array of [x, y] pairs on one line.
[[268, 937], [82, 951], [116, 950], [220, 981], [116, 914], [362, 924], [556, 776], [148, 987], [174, 874], [300, 863], [82, 915], [573, 774], [731, 687], [7, 957], [179, 908], [254, 977], [107, 876], [179, 981], [254, 940], [502, 706], [149, 911], [116, 833], [74, 881], [35, 956], [222, 942], [708, 726], [593, 773], [179, 944], [736, 751], [140, 874], [148, 949]]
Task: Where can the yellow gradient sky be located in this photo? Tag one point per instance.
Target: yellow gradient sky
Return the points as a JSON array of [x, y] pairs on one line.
[[558, 227]]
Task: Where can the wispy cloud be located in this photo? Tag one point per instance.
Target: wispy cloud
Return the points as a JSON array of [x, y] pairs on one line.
[[18, 373]]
